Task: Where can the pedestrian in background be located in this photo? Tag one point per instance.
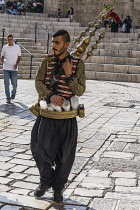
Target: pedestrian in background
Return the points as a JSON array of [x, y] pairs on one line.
[[59, 14], [21, 7], [70, 14], [10, 57], [128, 24], [2, 5], [106, 22], [9, 7]]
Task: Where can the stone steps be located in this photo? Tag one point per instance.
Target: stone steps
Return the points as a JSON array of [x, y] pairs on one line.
[[102, 59], [119, 46], [53, 26], [117, 53], [33, 16], [113, 49], [31, 24], [29, 19], [109, 76], [99, 52], [102, 55], [114, 60], [127, 69], [22, 75], [117, 49], [27, 31], [117, 57], [35, 59], [24, 22]]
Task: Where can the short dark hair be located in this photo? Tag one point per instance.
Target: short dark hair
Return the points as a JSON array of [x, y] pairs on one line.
[[64, 34], [10, 35]]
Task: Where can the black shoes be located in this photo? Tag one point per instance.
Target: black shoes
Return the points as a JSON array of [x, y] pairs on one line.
[[8, 102], [40, 190], [13, 96], [58, 197]]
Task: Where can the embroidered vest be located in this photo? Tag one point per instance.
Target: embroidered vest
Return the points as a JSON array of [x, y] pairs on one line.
[[62, 87]]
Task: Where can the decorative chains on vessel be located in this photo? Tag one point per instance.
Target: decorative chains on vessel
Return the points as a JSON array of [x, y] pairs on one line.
[[81, 48]]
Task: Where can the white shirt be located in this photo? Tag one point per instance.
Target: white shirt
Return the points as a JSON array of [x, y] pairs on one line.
[[10, 54]]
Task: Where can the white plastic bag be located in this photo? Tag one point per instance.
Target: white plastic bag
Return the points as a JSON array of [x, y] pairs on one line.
[[124, 28]]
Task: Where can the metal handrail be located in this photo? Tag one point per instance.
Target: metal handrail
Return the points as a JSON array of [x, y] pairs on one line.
[[16, 42], [3, 31], [22, 47], [49, 34], [31, 61]]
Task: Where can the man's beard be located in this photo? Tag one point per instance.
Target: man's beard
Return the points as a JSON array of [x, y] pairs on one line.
[[62, 50]]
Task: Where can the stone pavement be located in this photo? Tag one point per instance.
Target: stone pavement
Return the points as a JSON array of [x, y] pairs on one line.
[[106, 173]]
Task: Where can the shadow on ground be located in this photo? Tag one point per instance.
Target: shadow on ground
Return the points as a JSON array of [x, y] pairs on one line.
[[17, 109]]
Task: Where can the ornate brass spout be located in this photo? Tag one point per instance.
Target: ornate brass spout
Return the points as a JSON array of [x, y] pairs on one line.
[[106, 9], [93, 47], [81, 48]]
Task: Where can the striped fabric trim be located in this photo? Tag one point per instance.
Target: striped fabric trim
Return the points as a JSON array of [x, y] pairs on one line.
[[62, 82], [63, 76], [64, 91], [50, 68], [62, 86], [48, 79]]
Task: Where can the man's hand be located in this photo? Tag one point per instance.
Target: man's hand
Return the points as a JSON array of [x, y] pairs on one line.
[[67, 66], [15, 66], [57, 100]]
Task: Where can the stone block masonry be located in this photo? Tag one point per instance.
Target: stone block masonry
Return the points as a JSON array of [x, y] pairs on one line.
[[87, 10]]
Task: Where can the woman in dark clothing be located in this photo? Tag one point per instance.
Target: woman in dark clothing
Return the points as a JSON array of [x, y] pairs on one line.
[[114, 27], [128, 23], [70, 14]]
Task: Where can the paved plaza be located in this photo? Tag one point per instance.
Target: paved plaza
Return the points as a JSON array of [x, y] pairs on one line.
[[106, 172]]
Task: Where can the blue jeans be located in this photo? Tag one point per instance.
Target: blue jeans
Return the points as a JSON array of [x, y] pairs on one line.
[[10, 75]]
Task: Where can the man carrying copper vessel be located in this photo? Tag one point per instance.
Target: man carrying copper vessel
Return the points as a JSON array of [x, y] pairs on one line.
[[53, 141]]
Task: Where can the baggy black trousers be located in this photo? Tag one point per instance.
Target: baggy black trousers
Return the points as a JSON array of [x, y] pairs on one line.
[[53, 146]]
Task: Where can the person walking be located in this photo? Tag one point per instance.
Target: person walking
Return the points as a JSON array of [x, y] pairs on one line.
[[10, 57], [53, 141]]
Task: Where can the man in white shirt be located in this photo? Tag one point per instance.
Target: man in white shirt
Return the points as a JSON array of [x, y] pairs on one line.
[[10, 57]]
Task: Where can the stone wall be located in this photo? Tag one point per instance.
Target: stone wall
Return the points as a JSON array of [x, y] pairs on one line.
[[51, 7], [87, 10]]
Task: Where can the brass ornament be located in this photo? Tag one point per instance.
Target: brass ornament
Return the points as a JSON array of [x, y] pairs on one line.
[[103, 15], [86, 29], [81, 48], [93, 47]]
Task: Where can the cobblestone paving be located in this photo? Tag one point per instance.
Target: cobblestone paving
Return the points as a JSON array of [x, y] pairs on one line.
[[106, 173]]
